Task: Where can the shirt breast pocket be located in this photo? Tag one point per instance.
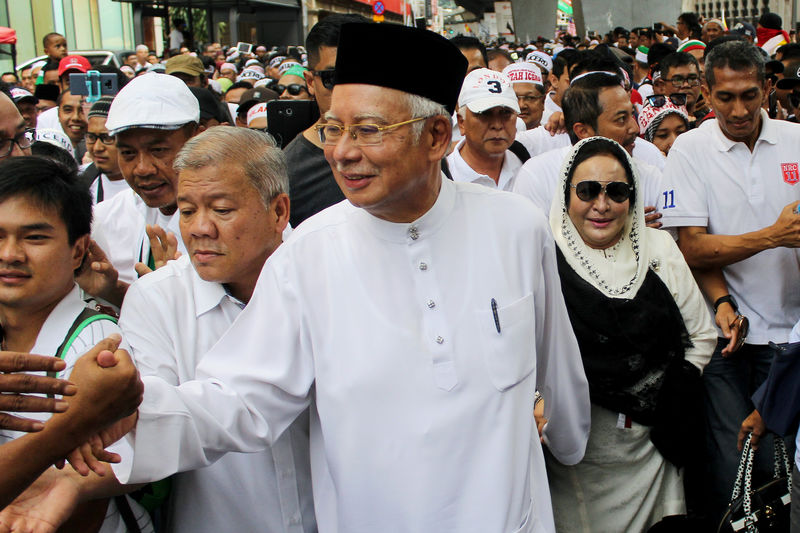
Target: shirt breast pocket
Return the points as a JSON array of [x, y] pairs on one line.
[[508, 338]]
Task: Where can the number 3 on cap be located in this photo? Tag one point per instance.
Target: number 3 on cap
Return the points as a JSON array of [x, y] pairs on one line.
[[494, 86]]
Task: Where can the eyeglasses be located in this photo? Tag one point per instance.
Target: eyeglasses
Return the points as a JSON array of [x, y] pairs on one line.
[[293, 88], [660, 100], [24, 140], [529, 99], [742, 324], [104, 138], [326, 76], [362, 134], [678, 81], [617, 191]]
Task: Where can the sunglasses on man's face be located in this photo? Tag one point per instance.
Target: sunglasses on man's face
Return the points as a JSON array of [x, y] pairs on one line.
[[618, 191], [293, 88], [660, 100], [326, 76]]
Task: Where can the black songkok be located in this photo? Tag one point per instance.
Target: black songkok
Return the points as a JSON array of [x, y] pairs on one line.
[[388, 55]]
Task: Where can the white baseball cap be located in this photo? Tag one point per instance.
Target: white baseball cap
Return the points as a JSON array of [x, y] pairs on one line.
[[524, 73], [484, 89], [154, 101], [541, 59]]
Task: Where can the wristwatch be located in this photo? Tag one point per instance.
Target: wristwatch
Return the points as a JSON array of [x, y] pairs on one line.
[[729, 299]]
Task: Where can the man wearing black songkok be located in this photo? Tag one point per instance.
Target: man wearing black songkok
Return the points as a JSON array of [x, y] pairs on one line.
[[421, 316]]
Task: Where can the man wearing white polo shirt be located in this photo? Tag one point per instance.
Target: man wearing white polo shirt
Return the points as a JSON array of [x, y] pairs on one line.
[[732, 190], [151, 118], [487, 114]]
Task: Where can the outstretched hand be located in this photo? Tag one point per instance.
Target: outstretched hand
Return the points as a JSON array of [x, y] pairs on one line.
[[163, 246]]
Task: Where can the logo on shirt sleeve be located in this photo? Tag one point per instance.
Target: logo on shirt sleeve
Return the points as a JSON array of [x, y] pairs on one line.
[[791, 174]]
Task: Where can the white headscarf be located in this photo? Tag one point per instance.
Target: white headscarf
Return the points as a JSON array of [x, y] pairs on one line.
[[618, 271]]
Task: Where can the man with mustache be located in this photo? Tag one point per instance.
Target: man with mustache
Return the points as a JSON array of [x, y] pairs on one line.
[[487, 114], [151, 118]]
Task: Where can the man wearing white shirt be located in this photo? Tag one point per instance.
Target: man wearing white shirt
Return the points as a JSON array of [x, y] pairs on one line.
[[233, 204], [595, 104], [45, 215], [487, 112], [418, 352], [151, 118], [732, 191], [526, 79]]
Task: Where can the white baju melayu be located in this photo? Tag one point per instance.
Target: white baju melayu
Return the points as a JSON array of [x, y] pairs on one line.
[[171, 318], [51, 336], [118, 228], [422, 400], [461, 171], [623, 482], [538, 179]]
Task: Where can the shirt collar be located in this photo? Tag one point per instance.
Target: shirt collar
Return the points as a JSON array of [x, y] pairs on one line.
[[768, 134], [207, 294], [424, 226], [463, 172], [59, 321]]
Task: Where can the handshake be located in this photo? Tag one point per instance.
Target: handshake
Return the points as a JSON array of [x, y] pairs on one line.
[[103, 388]]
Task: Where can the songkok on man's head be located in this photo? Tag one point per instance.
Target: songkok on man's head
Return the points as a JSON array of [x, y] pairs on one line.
[[153, 101], [101, 107], [369, 54], [484, 89], [524, 73]]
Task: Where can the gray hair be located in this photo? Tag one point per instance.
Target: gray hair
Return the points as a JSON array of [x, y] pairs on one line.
[[421, 107], [736, 55], [262, 161]]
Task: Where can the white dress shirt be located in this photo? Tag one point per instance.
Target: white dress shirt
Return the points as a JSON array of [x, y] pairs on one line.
[[422, 399], [719, 184], [118, 227], [171, 318], [461, 170], [550, 107]]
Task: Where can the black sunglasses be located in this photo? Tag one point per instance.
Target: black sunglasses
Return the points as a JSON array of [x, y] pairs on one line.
[[617, 191], [293, 88], [660, 100], [326, 76]]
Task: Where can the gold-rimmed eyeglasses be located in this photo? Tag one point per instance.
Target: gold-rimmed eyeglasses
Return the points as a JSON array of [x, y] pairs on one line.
[[362, 134]]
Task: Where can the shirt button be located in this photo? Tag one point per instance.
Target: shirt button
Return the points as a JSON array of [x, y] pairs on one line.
[[413, 232], [423, 266], [439, 340], [431, 305]]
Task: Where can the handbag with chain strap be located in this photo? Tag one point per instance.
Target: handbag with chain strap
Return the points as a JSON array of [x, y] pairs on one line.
[[766, 508]]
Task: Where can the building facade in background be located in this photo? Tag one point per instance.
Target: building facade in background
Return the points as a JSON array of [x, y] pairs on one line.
[[87, 25]]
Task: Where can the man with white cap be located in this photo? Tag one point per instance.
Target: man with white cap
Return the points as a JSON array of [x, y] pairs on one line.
[[417, 351], [151, 118], [526, 79], [487, 114]]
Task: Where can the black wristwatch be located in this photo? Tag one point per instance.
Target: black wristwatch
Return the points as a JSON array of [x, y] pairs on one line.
[[727, 298]]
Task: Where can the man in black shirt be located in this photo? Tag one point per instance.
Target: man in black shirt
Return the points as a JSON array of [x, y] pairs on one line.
[[311, 184]]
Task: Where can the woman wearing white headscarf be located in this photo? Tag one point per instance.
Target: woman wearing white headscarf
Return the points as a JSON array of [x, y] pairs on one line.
[[640, 320]]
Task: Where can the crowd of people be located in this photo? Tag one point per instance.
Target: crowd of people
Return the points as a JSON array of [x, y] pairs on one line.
[[535, 295]]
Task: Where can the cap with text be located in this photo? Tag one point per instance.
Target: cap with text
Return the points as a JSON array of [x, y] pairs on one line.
[[484, 89], [76, 63], [524, 73], [541, 59]]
